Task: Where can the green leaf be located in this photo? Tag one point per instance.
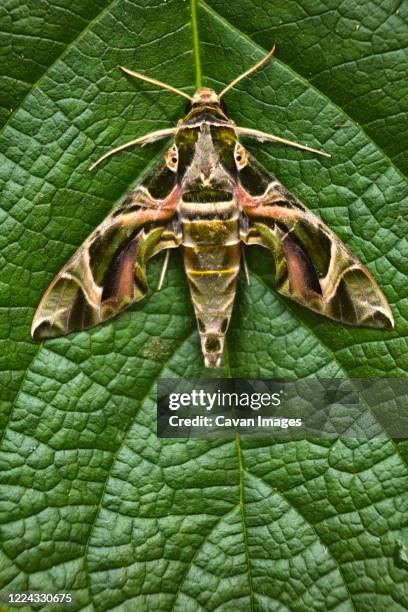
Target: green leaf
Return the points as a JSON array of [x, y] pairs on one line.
[[91, 500], [32, 36], [354, 52]]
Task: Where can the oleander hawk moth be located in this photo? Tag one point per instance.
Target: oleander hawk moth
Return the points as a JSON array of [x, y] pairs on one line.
[[208, 197]]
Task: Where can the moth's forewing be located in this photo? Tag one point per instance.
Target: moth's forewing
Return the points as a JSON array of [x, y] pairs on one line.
[[313, 266], [108, 272]]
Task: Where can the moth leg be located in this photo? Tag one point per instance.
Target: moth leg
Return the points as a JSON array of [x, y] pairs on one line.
[[142, 141], [245, 264], [164, 270], [264, 137]]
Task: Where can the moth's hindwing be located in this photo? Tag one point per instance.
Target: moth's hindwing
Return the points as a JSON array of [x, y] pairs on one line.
[[108, 272], [313, 266]]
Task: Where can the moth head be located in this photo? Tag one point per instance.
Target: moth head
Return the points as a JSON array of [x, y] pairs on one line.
[[206, 99], [204, 96]]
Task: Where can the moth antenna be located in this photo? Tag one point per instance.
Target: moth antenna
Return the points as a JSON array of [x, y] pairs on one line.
[[265, 137], [247, 72], [142, 141], [143, 77]]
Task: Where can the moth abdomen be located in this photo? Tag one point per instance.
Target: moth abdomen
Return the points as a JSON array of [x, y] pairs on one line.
[[211, 253]]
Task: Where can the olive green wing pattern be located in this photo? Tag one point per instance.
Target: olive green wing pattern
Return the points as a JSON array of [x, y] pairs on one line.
[[313, 266], [108, 272]]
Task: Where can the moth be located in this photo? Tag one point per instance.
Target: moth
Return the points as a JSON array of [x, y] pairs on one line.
[[209, 196]]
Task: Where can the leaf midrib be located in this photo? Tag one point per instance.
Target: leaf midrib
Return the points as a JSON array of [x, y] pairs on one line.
[[196, 43]]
